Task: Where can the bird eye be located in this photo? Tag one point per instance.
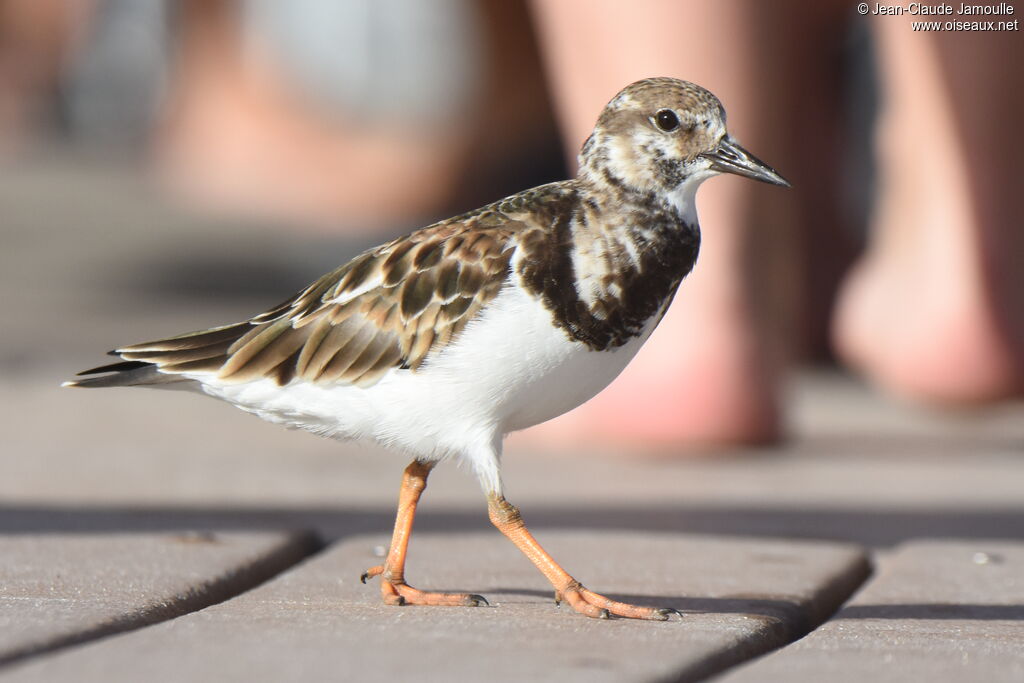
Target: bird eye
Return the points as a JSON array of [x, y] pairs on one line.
[[667, 120]]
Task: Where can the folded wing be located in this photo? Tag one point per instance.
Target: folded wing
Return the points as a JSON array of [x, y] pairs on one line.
[[391, 307]]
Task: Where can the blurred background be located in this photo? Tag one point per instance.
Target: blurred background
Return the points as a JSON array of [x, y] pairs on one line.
[[168, 166], [848, 355], [208, 158]]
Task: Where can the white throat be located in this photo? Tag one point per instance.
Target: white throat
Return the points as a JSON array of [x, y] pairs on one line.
[[684, 197]]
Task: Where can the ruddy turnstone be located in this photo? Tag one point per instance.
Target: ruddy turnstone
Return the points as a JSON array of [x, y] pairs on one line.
[[441, 342]]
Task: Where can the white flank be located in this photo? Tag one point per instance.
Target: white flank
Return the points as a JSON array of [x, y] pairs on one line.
[[511, 368]]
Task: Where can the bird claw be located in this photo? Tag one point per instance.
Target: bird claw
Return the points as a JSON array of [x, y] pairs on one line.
[[666, 614], [398, 593], [371, 573], [596, 606]]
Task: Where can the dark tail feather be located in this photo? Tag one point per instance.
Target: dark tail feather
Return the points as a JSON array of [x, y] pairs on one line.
[[163, 361], [125, 374]]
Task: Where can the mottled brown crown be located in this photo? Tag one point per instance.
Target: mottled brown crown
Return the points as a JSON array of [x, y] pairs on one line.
[[628, 148], [652, 94]]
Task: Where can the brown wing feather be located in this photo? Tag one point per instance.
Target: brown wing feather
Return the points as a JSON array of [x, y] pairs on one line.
[[411, 298]]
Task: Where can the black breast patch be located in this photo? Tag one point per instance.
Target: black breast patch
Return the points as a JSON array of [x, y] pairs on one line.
[[547, 271]]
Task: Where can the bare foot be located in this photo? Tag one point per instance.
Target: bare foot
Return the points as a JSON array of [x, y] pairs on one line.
[[698, 382], [707, 375], [935, 309]]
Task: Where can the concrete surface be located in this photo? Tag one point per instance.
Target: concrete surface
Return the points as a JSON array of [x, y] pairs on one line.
[[61, 589], [935, 611], [93, 257], [317, 621]]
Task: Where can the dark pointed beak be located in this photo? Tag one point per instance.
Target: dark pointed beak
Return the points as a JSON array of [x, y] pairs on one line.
[[730, 157]]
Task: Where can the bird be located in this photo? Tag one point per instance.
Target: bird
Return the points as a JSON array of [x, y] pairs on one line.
[[439, 343]]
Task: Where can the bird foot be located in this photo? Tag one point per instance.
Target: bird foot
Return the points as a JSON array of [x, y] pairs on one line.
[[397, 592], [595, 605]]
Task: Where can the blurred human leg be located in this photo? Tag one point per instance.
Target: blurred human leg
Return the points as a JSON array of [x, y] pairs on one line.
[[709, 374], [243, 130], [36, 37], [934, 311]]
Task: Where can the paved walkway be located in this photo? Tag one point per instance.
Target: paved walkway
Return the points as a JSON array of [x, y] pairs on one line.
[[158, 536]]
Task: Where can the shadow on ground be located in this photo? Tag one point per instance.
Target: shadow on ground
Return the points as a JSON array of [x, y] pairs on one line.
[[931, 611], [869, 527]]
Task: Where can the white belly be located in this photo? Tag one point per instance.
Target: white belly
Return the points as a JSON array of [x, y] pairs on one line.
[[511, 368], [523, 367]]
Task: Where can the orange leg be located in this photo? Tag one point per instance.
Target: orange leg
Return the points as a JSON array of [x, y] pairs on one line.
[[393, 587], [506, 517]]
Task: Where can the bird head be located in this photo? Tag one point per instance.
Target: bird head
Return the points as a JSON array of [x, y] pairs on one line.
[[665, 136]]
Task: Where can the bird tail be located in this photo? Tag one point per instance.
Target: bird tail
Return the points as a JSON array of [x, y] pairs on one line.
[[127, 373], [165, 361], [124, 374]]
